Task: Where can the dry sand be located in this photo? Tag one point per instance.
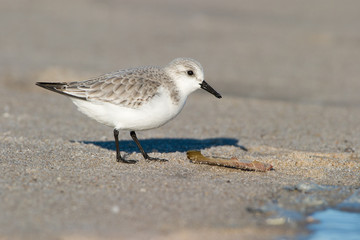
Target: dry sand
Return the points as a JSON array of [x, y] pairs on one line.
[[289, 77]]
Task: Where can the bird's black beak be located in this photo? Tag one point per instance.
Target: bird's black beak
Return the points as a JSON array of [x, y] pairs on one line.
[[204, 85]]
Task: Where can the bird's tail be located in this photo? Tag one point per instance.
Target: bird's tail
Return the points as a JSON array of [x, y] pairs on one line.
[[52, 86], [58, 87]]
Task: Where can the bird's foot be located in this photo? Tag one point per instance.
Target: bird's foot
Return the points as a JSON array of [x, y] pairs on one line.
[[126, 161], [155, 159]]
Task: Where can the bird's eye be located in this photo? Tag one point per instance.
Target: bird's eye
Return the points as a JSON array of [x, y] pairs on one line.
[[190, 73]]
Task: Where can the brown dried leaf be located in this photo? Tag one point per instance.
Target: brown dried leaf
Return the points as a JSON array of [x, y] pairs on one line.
[[197, 157]]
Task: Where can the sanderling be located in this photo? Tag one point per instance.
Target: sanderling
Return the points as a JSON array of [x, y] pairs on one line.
[[137, 98]]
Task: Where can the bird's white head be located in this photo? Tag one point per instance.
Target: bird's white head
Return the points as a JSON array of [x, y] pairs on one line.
[[188, 75]]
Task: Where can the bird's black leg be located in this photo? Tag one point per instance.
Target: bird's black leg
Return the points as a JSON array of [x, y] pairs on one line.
[[118, 155], [146, 156]]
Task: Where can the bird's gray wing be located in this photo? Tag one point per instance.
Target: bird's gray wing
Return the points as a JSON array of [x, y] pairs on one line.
[[129, 88]]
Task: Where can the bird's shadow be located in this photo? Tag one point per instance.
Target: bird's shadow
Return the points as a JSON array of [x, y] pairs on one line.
[[167, 145]]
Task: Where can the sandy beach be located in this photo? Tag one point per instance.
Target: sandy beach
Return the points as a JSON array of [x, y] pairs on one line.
[[289, 76]]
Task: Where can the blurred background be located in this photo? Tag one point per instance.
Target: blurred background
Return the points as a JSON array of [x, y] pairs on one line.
[[301, 51]]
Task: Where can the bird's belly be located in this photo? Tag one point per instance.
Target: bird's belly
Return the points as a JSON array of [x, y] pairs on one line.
[[151, 115]]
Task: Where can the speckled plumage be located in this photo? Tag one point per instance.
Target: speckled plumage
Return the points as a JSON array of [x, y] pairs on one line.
[[129, 88]]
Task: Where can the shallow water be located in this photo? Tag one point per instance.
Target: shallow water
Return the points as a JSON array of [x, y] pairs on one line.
[[334, 224]]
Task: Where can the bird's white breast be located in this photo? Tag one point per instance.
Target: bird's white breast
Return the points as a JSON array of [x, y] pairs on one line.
[[158, 111]]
